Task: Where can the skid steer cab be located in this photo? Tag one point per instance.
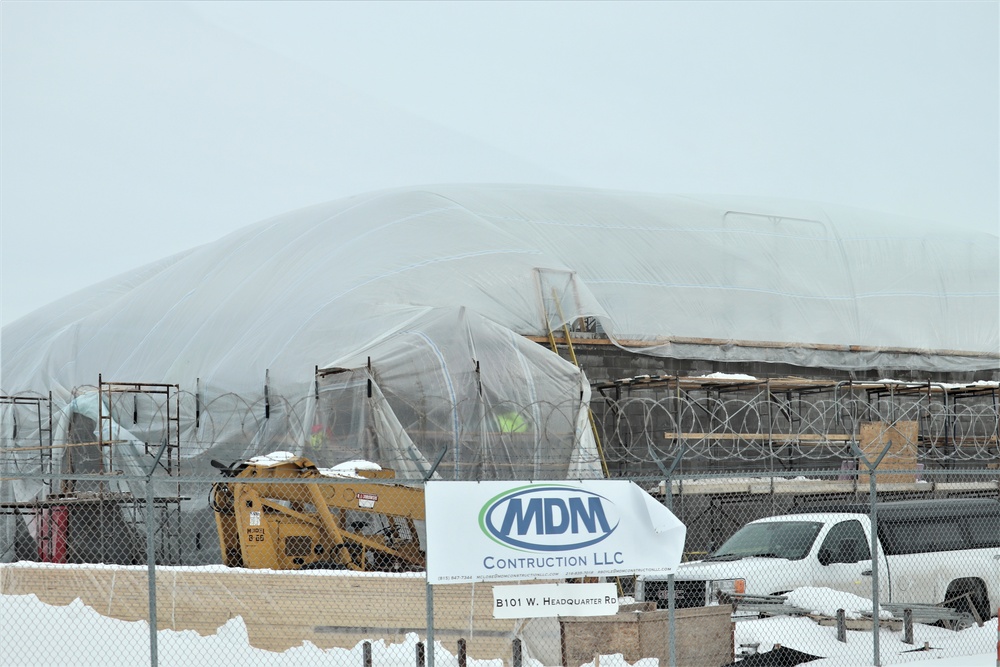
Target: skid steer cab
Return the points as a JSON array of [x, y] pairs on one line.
[[282, 512]]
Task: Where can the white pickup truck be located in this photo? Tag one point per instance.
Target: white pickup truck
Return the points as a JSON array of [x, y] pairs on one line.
[[929, 552]]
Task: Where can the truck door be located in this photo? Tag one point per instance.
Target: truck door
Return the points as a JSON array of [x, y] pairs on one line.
[[845, 560]]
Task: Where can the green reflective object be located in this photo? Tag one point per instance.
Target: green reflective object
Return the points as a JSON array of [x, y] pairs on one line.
[[512, 422]]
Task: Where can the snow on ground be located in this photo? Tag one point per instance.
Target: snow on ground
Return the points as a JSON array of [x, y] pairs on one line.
[[947, 648], [33, 633], [965, 648], [40, 635]]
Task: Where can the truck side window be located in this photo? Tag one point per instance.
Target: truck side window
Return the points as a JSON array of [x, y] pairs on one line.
[[922, 536], [984, 531], [845, 543], [941, 535]]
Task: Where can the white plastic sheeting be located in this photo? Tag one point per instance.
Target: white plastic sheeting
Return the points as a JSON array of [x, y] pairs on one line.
[[466, 394], [708, 278], [796, 282]]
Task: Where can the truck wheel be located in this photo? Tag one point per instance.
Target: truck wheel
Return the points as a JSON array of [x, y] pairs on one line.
[[971, 594], [982, 602]]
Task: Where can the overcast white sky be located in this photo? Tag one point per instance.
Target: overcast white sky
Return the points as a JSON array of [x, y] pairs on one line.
[[131, 131]]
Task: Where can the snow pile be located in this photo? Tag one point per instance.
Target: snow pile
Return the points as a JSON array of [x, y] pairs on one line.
[[617, 660], [826, 602], [728, 376], [272, 459], [33, 633], [38, 634], [972, 647], [349, 468], [345, 469]]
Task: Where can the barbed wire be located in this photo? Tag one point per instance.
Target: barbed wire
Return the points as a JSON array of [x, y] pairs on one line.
[[632, 432]]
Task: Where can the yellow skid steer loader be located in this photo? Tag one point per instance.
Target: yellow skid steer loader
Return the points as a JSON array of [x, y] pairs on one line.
[[284, 513]]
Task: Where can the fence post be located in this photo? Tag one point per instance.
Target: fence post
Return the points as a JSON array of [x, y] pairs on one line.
[[366, 652], [462, 654], [873, 517], [430, 627], [668, 501], [420, 654], [430, 589], [907, 626], [151, 572], [151, 556], [841, 626]]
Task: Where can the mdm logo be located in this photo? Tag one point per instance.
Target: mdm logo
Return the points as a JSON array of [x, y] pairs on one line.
[[548, 518]]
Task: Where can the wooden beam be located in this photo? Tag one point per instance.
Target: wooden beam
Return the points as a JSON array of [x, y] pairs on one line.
[[783, 437]]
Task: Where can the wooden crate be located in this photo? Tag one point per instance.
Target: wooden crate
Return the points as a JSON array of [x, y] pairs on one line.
[[704, 636]]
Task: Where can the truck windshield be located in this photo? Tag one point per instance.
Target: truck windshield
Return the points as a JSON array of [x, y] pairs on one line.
[[773, 539]]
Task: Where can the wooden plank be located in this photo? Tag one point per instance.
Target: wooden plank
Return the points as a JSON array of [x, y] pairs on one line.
[[962, 441], [717, 342], [859, 624], [62, 446], [784, 486], [782, 437]]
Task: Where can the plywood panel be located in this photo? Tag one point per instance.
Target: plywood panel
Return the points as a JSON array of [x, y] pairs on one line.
[[901, 437], [704, 637]]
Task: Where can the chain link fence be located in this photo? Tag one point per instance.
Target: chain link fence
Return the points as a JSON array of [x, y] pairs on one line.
[[281, 569], [134, 550]]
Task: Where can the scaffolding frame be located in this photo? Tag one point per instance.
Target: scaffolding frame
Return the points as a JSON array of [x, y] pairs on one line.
[[60, 496], [165, 398]]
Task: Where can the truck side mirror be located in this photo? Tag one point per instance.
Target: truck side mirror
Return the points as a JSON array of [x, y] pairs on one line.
[[825, 556]]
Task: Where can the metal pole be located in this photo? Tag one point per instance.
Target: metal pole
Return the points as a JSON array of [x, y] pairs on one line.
[[671, 622], [151, 572], [668, 494], [151, 556], [430, 625], [873, 517], [872, 497]]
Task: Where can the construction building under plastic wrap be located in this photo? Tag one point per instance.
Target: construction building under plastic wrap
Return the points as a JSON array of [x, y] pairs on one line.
[[500, 332]]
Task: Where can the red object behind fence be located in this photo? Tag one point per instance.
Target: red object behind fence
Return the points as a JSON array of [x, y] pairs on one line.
[[53, 524]]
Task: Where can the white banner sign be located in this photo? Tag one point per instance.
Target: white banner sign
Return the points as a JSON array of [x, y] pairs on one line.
[[496, 531], [538, 600]]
